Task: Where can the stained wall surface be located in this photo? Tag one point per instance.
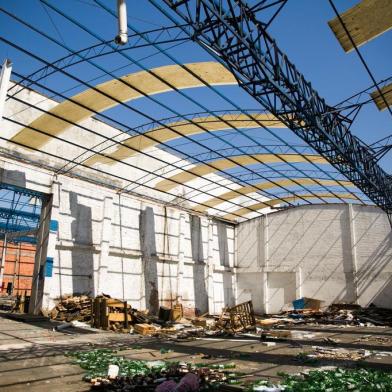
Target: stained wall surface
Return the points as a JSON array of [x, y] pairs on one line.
[[335, 253]]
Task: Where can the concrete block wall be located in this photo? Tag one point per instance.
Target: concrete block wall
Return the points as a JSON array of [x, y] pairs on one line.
[[99, 243], [97, 247], [335, 253]]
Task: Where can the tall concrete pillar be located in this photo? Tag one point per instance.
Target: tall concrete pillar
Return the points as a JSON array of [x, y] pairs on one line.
[[51, 286], [102, 284], [150, 259], [181, 255], [37, 288], [210, 267], [353, 252], [265, 264]]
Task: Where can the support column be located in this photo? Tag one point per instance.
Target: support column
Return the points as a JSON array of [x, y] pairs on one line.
[[150, 259], [51, 289], [210, 267], [353, 249], [266, 262], [102, 273], [181, 256], [37, 288]]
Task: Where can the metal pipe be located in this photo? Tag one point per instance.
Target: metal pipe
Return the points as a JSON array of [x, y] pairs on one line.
[[122, 37]]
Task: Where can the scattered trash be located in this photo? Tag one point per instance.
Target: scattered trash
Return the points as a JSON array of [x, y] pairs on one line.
[[165, 350], [61, 327], [336, 314], [338, 380], [268, 344], [113, 371], [338, 354], [108, 372], [306, 303]]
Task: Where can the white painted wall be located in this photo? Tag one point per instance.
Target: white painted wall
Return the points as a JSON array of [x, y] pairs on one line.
[[97, 247], [338, 253]]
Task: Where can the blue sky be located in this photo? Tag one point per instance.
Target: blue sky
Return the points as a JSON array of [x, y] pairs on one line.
[[301, 30]]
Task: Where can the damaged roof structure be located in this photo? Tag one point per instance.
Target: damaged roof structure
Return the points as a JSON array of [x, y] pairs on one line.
[[187, 165]]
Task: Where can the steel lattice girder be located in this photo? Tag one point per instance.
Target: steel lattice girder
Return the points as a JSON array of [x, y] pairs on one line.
[[230, 31]]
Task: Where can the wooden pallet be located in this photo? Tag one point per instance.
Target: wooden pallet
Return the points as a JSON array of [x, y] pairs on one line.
[[108, 311], [242, 316]]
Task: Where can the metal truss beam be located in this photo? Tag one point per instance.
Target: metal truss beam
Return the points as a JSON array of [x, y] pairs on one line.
[[231, 32]]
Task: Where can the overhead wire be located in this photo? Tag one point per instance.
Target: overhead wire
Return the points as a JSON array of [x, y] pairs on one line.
[[110, 185], [361, 58], [126, 105], [164, 81], [90, 167], [206, 84], [61, 171], [108, 138], [126, 83], [151, 72]]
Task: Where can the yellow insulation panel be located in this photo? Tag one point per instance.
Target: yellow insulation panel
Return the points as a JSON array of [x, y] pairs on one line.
[[95, 100], [186, 128], [245, 190], [271, 203], [224, 164], [365, 21]]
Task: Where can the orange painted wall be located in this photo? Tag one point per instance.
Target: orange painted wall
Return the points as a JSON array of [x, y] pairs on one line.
[[19, 267]]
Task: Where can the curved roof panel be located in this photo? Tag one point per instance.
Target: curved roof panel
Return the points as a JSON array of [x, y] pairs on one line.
[[225, 163], [274, 202], [268, 185], [176, 129], [132, 86]]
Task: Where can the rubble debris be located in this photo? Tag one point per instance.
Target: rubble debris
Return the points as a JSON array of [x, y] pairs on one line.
[[190, 382], [306, 303], [144, 329], [372, 338], [338, 354], [70, 308], [335, 314], [338, 380], [269, 322], [15, 303], [177, 312], [61, 327], [7, 302], [146, 375], [331, 340], [238, 318]]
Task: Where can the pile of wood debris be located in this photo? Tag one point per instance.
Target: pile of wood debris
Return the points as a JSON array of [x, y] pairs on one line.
[[111, 314], [71, 308]]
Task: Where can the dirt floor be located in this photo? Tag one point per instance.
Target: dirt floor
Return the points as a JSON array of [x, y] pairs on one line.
[[32, 354]]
